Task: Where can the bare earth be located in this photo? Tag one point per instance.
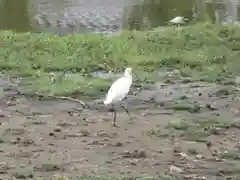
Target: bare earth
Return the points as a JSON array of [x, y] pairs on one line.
[[56, 137]]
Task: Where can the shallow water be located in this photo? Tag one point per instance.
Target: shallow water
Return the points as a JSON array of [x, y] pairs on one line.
[[83, 16]]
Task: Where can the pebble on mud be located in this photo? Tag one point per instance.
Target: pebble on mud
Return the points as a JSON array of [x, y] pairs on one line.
[[199, 156], [183, 155], [119, 144], [177, 150], [214, 152], [51, 134], [194, 177], [192, 151], [57, 129], [138, 153], [84, 133], [209, 144], [174, 169], [211, 107], [95, 142]]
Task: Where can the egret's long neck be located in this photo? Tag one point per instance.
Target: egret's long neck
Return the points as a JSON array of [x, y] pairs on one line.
[[129, 76]]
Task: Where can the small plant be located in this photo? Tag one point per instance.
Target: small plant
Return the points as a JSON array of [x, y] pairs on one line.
[[232, 155], [184, 105], [46, 167], [179, 125], [159, 133]]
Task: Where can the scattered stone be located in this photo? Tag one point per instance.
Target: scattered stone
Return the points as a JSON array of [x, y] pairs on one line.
[[211, 107], [52, 150], [215, 131], [192, 151], [126, 154], [108, 162], [177, 150], [209, 144], [119, 144], [140, 154], [70, 113], [135, 154], [51, 134], [214, 152], [133, 163], [95, 142], [189, 176], [161, 104], [169, 81], [183, 155], [58, 129], [2, 115], [38, 122], [183, 97], [84, 133], [174, 169], [4, 167], [159, 151], [199, 156], [24, 142], [102, 134], [199, 178]]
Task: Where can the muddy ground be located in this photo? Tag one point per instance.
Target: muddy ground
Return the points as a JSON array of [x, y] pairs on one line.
[[49, 137]]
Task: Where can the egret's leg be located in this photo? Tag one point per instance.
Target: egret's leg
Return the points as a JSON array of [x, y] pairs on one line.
[[126, 110], [114, 117]]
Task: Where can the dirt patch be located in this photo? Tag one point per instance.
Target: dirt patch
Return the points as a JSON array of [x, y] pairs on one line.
[[56, 137]]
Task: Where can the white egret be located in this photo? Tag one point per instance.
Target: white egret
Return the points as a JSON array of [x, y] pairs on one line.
[[118, 91], [178, 20]]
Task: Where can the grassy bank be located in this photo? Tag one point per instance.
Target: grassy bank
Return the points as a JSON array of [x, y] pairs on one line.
[[202, 51]]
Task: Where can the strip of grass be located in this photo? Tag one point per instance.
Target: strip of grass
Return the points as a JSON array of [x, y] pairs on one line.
[[119, 178], [29, 175], [192, 130], [201, 51]]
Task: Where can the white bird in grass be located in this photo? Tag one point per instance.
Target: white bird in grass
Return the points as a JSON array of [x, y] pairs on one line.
[[118, 91], [178, 20]]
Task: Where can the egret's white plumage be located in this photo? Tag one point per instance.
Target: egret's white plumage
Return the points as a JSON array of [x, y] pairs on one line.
[[178, 20], [119, 90]]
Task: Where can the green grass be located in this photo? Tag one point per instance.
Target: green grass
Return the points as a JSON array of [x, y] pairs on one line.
[[67, 85], [202, 51], [27, 174], [232, 155], [185, 105], [113, 178], [191, 130]]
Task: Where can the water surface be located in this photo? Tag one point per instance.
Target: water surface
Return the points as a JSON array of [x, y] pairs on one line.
[[83, 16]]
